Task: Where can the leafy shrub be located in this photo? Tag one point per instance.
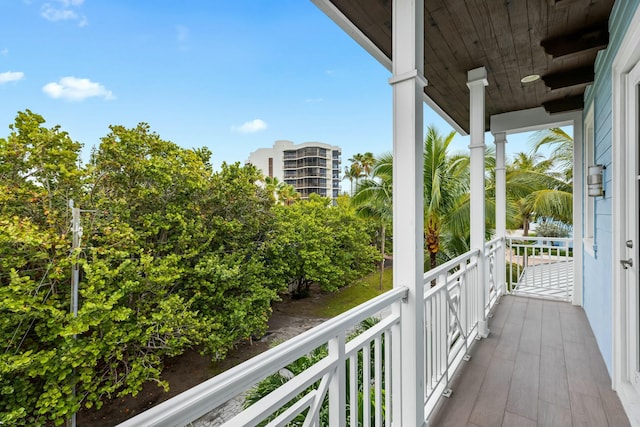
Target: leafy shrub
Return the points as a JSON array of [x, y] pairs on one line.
[[552, 229]]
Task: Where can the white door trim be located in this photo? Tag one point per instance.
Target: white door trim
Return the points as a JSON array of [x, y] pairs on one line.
[[626, 58]]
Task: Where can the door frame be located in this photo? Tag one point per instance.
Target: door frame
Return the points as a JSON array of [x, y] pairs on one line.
[[626, 58]]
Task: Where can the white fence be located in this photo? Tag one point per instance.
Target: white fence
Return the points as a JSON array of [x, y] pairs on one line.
[[541, 266], [304, 394], [354, 380], [494, 252], [451, 317]]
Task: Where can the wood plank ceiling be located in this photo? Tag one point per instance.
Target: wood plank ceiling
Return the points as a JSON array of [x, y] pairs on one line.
[[556, 39]]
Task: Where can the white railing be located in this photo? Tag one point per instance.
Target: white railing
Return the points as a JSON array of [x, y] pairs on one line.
[[452, 308], [365, 360], [540, 266], [495, 271], [350, 375]]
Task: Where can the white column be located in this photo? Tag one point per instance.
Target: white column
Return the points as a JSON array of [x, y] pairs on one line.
[[500, 139], [476, 81], [578, 184], [408, 85]]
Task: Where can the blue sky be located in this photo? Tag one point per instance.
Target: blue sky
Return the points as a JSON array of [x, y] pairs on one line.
[[230, 75]]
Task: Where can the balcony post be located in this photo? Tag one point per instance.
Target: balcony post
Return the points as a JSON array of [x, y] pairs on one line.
[[476, 81], [408, 248], [500, 139]]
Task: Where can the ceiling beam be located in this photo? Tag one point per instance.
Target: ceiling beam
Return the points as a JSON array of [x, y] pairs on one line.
[[567, 78], [561, 3], [570, 103], [581, 41], [530, 120]]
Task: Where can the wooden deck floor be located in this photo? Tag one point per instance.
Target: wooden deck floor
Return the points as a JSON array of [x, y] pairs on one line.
[[540, 366]]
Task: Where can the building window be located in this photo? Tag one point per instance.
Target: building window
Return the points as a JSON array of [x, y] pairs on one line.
[[270, 167], [589, 202]]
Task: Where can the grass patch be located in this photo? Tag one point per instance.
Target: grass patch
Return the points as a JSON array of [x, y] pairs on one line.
[[353, 295]]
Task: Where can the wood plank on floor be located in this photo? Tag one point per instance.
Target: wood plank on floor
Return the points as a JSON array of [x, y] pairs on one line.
[[501, 312], [455, 410], [587, 411], [564, 383], [550, 415], [510, 335], [515, 420], [551, 335], [613, 409], [553, 386], [488, 410], [530, 337], [523, 393], [579, 376]]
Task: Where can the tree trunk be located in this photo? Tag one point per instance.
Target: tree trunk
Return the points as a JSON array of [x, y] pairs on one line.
[[525, 227], [433, 264], [382, 234]]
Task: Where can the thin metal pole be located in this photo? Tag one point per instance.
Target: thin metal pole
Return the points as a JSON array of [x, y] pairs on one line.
[[75, 278]]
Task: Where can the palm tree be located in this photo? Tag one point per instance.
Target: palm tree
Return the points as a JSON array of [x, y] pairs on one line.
[[287, 194], [536, 188], [373, 199], [361, 165], [561, 144], [273, 185], [352, 173], [446, 181], [367, 162], [455, 238]]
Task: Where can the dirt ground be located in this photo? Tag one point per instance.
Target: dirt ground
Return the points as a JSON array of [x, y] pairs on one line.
[[289, 318]]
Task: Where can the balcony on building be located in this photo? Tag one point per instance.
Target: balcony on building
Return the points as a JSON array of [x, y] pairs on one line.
[[514, 332]]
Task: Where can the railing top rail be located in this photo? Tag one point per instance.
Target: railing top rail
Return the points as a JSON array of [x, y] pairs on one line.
[[432, 274], [199, 400], [493, 241], [539, 239]]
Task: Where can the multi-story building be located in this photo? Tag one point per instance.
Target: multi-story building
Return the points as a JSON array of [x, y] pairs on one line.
[[310, 167]]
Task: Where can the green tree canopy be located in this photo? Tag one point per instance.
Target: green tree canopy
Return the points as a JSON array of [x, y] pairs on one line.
[[173, 256], [317, 242]]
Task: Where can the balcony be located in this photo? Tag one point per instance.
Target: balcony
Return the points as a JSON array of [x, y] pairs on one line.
[[540, 364]]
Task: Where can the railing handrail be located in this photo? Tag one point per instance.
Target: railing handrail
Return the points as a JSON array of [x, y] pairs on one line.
[[433, 274], [493, 241], [539, 238], [201, 399]]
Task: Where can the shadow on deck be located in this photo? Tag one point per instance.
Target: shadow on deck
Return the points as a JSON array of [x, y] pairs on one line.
[[540, 366], [547, 280]]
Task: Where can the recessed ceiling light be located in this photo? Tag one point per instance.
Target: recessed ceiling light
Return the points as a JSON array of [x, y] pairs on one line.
[[530, 78]]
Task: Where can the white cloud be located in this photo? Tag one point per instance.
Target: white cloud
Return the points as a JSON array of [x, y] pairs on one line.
[[52, 13], [76, 89], [11, 76], [313, 100], [250, 127], [4, 52], [63, 10]]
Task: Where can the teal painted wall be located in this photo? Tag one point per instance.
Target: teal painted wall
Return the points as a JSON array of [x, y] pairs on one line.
[[597, 279]]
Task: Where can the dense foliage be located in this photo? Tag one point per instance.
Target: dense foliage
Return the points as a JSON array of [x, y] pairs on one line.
[[536, 187], [275, 381], [317, 242], [173, 256]]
